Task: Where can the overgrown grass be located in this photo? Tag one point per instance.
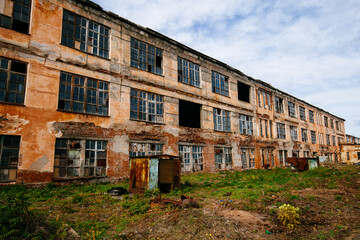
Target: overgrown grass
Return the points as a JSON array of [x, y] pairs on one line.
[[95, 215]]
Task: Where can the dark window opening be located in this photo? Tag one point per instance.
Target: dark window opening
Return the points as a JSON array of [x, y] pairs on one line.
[[189, 114], [12, 81], [9, 155], [20, 19], [243, 92]]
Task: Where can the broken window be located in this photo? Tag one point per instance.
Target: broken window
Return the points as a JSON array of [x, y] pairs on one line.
[[292, 111], [281, 131], [302, 113], [296, 153], [220, 83], [247, 158], [270, 129], [146, 57], [321, 138], [282, 157], [332, 123], [70, 161], [264, 99], [306, 153], [311, 116], [145, 106], [12, 81], [191, 158], [304, 137], [223, 158], [261, 128], [20, 18], [313, 137], [333, 140], [243, 92], [358, 155], [145, 149], [85, 35], [328, 139], [221, 120], [83, 95], [337, 125], [326, 121], [318, 119], [267, 157], [189, 114], [9, 156], [188, 72], [293, 133], [339, 140], [246, 124], [279, 105]]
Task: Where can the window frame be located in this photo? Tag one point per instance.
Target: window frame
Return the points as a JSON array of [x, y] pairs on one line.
[[86, 88], [223, 158], [311, 116], [81, 34], [222, 121], [148, 148], [279, 104], [246, 124], [220, 84], [9, 81], [13, 157], [281, 131], [145, 105], [16, 21], [152, 55], [302, 113], [304, 135], [292, 109], [79, 147], [192, 157], [191, 69], [293, 133], [313, 136]]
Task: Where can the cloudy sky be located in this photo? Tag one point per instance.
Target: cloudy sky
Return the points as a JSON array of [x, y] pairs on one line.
[[308, 48]]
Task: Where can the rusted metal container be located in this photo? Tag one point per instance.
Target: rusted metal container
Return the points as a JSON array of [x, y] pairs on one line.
[[152, 172], [303, 164]]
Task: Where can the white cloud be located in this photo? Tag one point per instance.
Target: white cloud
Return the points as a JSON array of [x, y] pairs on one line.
[[307, 48]]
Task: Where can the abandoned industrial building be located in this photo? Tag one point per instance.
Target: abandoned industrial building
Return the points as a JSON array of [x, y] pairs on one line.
[[82, 90]]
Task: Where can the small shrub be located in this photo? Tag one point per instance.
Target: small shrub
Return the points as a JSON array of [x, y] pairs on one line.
[[338, 198], [289, 216]]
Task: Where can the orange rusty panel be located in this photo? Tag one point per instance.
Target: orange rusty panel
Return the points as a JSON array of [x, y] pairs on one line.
[[139, 168], [177, 169]]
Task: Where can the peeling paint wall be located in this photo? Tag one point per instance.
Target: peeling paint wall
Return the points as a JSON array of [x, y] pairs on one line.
[[39, 122]]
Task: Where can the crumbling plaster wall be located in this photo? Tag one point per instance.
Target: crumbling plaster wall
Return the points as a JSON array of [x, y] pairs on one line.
[[39, 123]]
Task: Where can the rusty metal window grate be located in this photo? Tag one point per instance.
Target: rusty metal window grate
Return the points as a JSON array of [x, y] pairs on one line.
[[145, 149], [220, 83], [221, 120], [246, 124], [191, 158], [223, 158], [311, 116], [145, 106], [293, 133], [12, 81], [9, 156], [70, 161], [281, 131], [188, 72], [292, 111], [313, 137], [83, 95], [302, 113], [85, 35], [146, 57]]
